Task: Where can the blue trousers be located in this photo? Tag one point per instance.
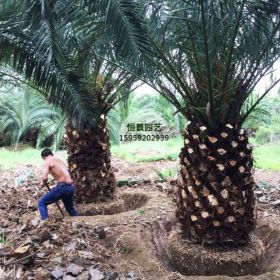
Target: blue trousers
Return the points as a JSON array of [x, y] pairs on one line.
[[62, 192]]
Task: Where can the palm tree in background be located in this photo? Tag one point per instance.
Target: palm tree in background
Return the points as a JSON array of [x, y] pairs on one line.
[[211, 54], [23, 115], [62, 48], [52, 128]]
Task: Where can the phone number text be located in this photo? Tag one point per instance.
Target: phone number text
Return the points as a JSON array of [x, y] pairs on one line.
[[140, 137]]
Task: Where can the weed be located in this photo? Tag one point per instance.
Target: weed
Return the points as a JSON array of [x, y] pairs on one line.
[[141, 211], [126, 250]]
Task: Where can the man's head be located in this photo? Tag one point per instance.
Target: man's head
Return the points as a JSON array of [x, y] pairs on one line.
[[45, 153]]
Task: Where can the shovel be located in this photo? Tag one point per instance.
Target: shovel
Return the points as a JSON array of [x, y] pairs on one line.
[[58, 206]]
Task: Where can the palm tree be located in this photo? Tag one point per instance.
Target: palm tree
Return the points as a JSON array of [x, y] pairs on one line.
[[62, 47], [52, 128], [88, 147], [21, 114], [175, 120], [212, 54]]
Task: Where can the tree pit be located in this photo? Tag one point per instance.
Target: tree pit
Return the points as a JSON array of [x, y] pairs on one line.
[[150, 239], [123, 202], [259, 256]]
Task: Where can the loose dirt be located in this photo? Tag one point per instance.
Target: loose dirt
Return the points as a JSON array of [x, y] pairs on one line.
[[131, 237]]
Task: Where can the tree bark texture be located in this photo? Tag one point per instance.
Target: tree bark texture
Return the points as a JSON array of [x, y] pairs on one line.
[[215, 194], [89, 162]]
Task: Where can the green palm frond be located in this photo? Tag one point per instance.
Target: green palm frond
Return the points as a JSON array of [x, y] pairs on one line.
[[52, 127], [25, 111], [213, 53], [125, 28], [44, 41]]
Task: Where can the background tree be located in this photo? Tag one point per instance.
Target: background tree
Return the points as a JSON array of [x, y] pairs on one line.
[[60, 47], [22, 116]]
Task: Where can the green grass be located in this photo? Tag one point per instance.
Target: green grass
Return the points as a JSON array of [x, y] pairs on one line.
[[9, 159], [166, 173], [3, 239], [267, 156], [138, 151]]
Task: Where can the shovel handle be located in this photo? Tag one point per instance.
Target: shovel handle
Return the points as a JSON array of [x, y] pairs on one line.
[[58, 206]]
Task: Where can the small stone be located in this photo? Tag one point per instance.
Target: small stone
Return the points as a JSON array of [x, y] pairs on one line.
[[76, 225], [71, 246], [68, 277], [276, 203], [132, 276], [112, 275], [42, 255], [83, 276], [263, 199], [57, 272], [76, 259], [258, 193], [57, 260], [95, 274], [81, 244], [47, 244], [35, 222], [74, 269], [100, 232]]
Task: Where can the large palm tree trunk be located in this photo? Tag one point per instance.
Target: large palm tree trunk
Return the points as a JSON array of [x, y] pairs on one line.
[[89, 162], [215, 195]]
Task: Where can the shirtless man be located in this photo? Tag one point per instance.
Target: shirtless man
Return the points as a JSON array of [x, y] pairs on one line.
[[64, 189]]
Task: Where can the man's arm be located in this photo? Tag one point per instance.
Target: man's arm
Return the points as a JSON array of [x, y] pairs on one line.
[[44, 178]]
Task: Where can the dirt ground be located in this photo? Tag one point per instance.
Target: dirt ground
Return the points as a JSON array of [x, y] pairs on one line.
[[127, 238]]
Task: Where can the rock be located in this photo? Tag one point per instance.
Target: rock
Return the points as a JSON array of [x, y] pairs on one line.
[[68, 277], [69, 247], [132, 276], [42, 255], [35, 222], [81, 244], [57, 272], [83, 276], [76, 225], [263, 199], [54, 236], [258, 193], [276, 203], [57, 260], [100, 232], [95, 274], [112, 275], [74, 269], [76, 259]]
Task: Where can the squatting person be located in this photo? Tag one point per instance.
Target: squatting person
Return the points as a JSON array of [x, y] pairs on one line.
[[64, 189]]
